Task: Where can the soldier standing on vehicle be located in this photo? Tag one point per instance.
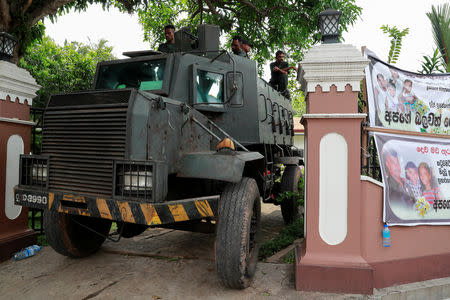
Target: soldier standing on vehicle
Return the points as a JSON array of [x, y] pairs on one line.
[[236, 46], [169, 45], [279, 70], [246, 47]]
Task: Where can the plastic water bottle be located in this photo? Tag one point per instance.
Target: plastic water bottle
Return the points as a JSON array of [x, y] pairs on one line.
[[27, 252], [386, 236]]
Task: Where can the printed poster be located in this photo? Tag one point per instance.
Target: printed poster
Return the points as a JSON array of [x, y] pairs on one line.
[[407, 101], [416, 178]]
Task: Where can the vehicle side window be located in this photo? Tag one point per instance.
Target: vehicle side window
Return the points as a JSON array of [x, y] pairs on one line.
[[209, 87]]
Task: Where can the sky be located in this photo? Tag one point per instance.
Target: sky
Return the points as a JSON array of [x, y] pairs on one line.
[[124, 32]]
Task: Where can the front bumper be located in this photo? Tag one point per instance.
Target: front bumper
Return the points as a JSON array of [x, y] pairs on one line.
[[118, 210]]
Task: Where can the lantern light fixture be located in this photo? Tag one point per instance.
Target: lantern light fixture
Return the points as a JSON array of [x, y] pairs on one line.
[[7, 45], [329, 25]]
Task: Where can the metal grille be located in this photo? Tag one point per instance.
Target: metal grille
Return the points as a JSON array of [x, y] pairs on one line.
[[330, 24], [7, 45], [82, 142], [370, 165], [35, 216], [36, 115], [134, 179], [34, 170]]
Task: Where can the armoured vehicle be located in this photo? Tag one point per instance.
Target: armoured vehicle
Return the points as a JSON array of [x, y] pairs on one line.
[[188, 140]]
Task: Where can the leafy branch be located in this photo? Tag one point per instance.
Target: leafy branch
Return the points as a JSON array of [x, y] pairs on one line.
[[432, 64], [299, 195], [440, 22], [396, 41]]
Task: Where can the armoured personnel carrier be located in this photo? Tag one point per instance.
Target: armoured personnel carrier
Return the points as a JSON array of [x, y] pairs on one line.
[[187, 140]]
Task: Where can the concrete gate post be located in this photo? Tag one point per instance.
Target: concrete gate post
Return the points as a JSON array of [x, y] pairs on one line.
[[17, 89], [331, 260]]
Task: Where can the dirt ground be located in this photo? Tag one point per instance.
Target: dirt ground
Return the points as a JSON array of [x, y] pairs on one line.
[[108, 275]]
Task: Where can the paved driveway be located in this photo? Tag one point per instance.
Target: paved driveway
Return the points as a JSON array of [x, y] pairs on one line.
[[142, 274]]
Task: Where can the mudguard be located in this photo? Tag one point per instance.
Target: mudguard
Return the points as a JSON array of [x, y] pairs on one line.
[[215, 165]]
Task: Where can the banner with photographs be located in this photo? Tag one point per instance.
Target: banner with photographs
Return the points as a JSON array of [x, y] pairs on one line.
[[416, 178], [407, 101]]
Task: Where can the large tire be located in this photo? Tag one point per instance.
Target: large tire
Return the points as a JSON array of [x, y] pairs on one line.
[[69, 238], [238, 231], [289, 183]]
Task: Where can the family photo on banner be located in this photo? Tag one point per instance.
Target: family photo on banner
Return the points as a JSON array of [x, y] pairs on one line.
[[415, 168], [407, 101]]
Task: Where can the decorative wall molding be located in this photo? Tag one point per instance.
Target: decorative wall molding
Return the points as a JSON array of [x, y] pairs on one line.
[[370, 179], [14, 148], [16, 82], [334, 116], [17, 121], [332, 64], [333, 188], [331, 116]]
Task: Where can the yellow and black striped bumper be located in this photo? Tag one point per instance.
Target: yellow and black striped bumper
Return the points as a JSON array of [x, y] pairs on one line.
[[119, 210]]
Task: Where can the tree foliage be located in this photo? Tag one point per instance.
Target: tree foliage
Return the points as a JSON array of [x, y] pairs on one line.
[[396, 36], [297, 97], [270, 25], [432, 64], [21, 18], [440, 22], [67, 68]]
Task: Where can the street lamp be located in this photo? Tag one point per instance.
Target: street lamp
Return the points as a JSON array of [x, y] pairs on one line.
[[7, 45], [329, 25]]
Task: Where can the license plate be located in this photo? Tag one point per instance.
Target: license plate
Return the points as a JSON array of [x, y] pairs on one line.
[[39, 200]]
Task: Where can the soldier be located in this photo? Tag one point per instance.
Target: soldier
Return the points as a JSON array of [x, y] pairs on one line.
[[246, 46], [279, 70], [169, 45], [236, 46]]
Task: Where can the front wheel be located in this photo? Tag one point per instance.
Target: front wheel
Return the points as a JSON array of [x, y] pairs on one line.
[[238, 231], [69, 234]]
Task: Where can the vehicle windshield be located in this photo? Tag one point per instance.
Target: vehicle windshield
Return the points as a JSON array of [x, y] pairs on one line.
[[143, 75]]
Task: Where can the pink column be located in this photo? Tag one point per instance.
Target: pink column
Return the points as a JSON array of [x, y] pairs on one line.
[[331, 258], [17, 88]]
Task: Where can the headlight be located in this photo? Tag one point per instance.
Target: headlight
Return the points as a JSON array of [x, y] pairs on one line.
[[133, 179], [137, 180], [39, 173], [34, 170]]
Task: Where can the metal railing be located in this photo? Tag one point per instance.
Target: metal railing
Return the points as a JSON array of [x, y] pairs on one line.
[[35, 216], [370, 164]]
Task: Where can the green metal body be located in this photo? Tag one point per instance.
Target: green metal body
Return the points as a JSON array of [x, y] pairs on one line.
[[166, 112]]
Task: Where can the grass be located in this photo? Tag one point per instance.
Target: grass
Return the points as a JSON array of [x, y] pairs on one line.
[[37, 220], [290, 257], [291, 232], [285, 238], [41, 239]]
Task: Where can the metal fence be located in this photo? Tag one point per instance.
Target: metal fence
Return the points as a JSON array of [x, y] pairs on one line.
[[35, 216], [370, 164]]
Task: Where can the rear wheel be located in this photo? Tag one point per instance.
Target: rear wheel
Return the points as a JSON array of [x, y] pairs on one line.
[[67, 237], [289, 183], [238, 231]]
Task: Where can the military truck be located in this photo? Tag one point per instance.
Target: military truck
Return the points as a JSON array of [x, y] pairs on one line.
[[189, 140]]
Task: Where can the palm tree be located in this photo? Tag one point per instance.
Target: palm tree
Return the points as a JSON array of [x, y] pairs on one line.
[[440, 22]]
